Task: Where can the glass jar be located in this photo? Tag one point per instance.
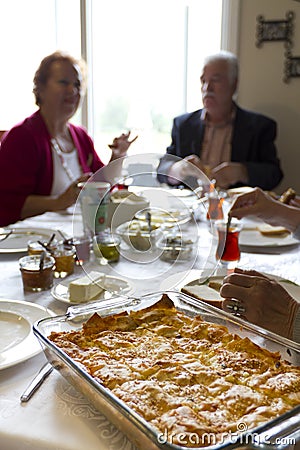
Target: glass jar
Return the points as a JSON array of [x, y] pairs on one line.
[[37, 272], [64, 256], [106, 248], [34, 247]]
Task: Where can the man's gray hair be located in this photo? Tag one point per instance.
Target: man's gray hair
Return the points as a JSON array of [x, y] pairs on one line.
[[230, 58]]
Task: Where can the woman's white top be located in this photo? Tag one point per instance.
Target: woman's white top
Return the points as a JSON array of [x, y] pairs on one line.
[[61, 180]]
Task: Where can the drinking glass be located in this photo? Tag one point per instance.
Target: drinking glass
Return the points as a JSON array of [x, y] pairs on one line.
[[215, 209], [82, 246], [93, 200], [228, 250]]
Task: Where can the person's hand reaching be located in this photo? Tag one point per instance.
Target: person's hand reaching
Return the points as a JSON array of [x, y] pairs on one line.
[[120, 145]]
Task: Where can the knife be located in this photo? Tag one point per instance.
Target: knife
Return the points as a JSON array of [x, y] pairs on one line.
[[36, 382]]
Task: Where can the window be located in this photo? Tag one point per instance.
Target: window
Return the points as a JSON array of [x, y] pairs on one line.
[[146, 61], [29, 31]]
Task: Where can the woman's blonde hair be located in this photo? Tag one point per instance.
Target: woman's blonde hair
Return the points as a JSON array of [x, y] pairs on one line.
[[43, 72]]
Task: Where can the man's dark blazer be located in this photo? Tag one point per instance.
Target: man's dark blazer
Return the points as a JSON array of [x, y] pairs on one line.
[[252, 144]]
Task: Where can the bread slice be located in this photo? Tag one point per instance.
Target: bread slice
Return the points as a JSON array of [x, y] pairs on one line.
[[204, 293], [269, 230], [216, 285]]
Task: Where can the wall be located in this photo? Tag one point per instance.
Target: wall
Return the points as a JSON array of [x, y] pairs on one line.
[[261, 85]]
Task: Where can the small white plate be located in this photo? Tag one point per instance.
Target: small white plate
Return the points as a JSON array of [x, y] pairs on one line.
[[17, 341], [17, 241], [253, 238], [112, 286], [182, 192]]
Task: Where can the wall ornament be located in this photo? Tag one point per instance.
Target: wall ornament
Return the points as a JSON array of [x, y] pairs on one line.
[[280, 30]]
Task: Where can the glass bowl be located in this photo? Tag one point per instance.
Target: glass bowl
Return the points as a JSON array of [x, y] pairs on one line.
[[177, 246], [138, 236]]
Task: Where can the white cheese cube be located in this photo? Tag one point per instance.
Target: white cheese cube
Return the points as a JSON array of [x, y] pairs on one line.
[[85, 288]]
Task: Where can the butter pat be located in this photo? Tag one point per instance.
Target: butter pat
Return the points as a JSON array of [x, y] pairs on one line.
[[85, 288]]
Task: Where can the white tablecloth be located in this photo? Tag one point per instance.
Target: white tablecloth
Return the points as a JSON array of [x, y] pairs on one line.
[[58, 417]]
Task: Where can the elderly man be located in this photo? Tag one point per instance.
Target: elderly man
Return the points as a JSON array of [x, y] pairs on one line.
[[233, 146]]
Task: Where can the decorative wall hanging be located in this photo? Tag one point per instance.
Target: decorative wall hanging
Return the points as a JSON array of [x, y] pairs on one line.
[[280, 30], [291, 67], [275, 30]]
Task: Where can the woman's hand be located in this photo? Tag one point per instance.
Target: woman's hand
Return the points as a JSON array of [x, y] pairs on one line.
[[256, 203], [70, 195], [120, 145], [263, 301]]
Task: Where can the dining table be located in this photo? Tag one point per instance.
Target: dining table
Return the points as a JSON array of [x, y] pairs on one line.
[[58, 417]]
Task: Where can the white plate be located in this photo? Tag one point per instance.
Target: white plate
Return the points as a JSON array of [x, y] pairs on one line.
[[240, 190], [17, 341], [182, 192], [17, 241], [112, 286], [176, 282], [253, 238], [180, 279]]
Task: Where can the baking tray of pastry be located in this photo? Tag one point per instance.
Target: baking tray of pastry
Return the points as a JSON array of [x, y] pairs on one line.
[[172, 372]]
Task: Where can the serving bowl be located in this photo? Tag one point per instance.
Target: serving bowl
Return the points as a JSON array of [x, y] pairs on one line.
[[167, 217], [177, 246], [138, 235]]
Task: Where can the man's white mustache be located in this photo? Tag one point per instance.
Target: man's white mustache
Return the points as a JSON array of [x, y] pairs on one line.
[[209, 94]]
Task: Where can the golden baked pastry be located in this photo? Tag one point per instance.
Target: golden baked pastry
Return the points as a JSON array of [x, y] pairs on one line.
[[184, 376]]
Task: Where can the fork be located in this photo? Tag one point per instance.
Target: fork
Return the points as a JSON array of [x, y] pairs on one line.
[[6, 234], [36, 382]]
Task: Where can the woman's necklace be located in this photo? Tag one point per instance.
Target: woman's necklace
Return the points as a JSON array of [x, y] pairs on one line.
[[59, 152]]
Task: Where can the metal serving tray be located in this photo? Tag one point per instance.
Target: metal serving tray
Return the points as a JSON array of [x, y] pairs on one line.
[[275, 433]]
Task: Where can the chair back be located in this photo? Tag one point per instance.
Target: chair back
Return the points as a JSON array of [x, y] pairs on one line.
[[1, 133]]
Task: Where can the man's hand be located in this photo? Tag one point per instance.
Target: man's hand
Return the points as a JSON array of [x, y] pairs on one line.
[[189, 166], [228, 174]]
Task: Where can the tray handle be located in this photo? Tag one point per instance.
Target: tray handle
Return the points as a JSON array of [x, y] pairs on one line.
[[102, 305]]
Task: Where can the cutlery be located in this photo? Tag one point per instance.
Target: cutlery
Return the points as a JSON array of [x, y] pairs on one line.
[[6, 234], [36, 382], [148, 218], [228, 224]]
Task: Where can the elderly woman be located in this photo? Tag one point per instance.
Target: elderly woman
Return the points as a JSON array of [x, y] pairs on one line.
[[43, 158], [257, 298]]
